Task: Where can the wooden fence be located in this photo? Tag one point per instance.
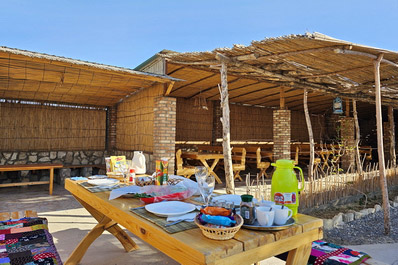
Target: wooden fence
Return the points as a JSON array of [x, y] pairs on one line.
[[325, 188]]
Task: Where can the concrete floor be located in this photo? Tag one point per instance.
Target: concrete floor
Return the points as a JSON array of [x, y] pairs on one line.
[[69, 222]]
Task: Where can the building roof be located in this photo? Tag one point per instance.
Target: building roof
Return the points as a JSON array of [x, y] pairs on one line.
[[328, 67], [37, 76]]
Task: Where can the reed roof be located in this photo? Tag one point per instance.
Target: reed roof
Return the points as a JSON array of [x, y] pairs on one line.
[[27, 75], [328, 67]]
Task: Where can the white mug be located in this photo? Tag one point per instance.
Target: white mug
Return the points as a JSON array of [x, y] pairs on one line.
[[282, 215], [265, 216]]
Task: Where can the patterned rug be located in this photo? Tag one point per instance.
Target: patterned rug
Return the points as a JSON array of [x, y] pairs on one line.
[[330, 254], [26, 241]]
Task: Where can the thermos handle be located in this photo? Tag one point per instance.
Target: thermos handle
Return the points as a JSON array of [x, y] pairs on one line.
[[302, 178]]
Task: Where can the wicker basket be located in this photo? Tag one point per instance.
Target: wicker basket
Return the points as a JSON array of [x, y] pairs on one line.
[[220, 233]]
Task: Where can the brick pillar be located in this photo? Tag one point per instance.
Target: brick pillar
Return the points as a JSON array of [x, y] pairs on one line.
[[164, 134], [281, 133], [348, 140], [217, 126], [111, 116], [386, 140]]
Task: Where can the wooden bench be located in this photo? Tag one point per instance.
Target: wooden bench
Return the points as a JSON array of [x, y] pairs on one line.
[[100, 166], [31, 167]]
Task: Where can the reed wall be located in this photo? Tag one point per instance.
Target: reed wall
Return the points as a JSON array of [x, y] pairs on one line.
[[135, 118], [45, 127], [247, 123], [193, 123]]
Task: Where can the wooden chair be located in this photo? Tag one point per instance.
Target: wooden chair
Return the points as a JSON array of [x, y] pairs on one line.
[[186, 171], [263, 166], [239, 162]]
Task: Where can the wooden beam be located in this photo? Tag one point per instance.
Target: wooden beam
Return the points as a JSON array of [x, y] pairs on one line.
[[321, 49], [169, 88], [344, 51], [282, 98], [255, 91], [194, 82], [337, 72], [229, 176], [380, 148], [310, 136], [213, 87]]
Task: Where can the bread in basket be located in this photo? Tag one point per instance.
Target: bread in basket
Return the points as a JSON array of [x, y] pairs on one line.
[[224, 233]]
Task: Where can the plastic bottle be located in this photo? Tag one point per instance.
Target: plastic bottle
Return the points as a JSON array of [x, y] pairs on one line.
[[132, 176], [247, 209]]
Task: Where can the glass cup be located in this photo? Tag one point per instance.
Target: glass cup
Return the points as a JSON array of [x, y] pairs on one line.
[[206, 183]]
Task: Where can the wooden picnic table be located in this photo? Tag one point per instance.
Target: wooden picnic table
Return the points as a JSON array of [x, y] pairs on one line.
[[190, 246], [204, 158], [31, 167]]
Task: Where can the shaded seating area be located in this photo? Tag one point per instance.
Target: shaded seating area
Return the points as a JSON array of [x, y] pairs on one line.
[[183, 170]]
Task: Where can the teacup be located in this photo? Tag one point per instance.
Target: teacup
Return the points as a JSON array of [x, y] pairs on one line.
[[265, 215], [282, 214]]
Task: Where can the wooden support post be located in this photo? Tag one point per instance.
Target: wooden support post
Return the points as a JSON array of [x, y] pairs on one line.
[[226, 143], [357, 137], [310, 136], [393, 156], [282, 99], [347, 107], [380, 148]]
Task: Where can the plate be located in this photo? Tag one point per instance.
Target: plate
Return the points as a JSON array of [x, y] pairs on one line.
[[257, 226], [236, 199], [103, 182], [98, 177], [169, 208]]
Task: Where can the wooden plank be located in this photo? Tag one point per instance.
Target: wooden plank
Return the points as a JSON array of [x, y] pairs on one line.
[[29, 167], [271, 249], [24, 183]]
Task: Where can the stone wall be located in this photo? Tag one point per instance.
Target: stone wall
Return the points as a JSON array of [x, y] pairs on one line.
[[67, 158]]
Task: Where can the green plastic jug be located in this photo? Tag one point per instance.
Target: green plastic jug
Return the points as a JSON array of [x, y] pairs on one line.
[[284, 184]]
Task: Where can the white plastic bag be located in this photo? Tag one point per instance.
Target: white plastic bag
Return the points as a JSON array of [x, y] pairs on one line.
[[138, 162]]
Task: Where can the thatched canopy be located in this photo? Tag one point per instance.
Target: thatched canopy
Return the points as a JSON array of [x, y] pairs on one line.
[[26, 75], [326, 66]]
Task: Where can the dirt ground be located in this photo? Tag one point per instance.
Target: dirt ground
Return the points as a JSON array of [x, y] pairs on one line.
[[365, 202]]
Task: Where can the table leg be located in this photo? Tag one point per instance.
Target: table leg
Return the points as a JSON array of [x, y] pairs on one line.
[[299, 255], [104, 223], [211, 168], [51, 180], [81, 249]]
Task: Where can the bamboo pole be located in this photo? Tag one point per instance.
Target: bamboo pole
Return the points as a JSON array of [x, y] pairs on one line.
[[357, 137], [226, 143], [393, 156], [379, 121], [310, 136]]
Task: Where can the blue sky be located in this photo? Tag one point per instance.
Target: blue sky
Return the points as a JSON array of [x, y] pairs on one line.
[[126, 33]]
